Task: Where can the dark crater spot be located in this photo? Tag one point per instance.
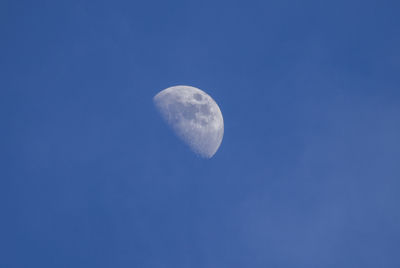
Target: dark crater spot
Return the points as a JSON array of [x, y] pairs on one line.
[[188, 111], [197, 96], [205, 109]]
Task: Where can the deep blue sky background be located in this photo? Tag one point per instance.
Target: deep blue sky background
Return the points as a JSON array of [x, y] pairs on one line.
[[308, 172]]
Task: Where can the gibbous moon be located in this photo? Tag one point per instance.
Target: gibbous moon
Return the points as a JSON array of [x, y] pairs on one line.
[[194, 116]]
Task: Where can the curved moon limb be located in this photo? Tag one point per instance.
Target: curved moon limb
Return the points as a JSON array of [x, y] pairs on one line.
[[194, 116]]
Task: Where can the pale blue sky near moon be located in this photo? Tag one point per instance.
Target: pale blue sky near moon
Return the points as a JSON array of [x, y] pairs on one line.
[[307, 174]]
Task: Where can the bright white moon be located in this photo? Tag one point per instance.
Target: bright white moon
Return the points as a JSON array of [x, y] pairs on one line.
[[194, 116]]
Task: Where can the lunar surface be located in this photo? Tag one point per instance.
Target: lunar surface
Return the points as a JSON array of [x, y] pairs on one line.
[[194, 116]]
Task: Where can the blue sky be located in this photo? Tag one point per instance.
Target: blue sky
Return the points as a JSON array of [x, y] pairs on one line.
[[307, 174]]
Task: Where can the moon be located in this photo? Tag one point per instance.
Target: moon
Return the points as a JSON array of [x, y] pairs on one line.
[[194, 116]]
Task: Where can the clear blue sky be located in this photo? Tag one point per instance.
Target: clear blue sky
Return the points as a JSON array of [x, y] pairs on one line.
[[308, 172]]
